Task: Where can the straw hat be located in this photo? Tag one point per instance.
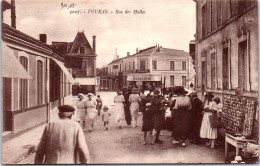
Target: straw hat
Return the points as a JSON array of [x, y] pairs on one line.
[[90, 94]]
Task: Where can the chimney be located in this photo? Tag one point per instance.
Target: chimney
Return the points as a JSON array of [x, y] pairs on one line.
[[128, 53], [94, 44], [43, 38], [13, 16], [137, 50]]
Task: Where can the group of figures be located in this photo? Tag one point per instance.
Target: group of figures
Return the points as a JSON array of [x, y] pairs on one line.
[[189, 116]]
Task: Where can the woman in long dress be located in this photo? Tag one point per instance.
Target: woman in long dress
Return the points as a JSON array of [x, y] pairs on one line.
[[134, 100], [91, 112], [206, 131], [181, 116], [119, 108], [81, 110]]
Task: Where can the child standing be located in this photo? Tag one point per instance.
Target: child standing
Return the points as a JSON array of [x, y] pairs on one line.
[[99, 104], [148, 123], [105, 116]]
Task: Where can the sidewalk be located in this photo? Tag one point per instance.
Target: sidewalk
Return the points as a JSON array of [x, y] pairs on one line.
[[16, 148]]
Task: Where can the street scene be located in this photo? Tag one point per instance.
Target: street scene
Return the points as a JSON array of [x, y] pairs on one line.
[[133, 82]]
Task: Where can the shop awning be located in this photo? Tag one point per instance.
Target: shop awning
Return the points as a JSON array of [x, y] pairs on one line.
[[66, 72], [11, 67], [86, 81]]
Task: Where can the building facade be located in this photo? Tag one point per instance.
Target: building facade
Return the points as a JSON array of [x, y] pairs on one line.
[[153, 66], [81, 57], [30, 101], [226, 55]]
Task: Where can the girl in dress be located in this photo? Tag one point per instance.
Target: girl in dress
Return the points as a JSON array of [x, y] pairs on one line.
[[206, 131], [119, 108], [105, 117], [135, 100], [148, 123]]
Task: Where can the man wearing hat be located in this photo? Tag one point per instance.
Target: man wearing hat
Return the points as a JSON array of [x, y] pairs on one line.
[[195, 118], [63, 141]]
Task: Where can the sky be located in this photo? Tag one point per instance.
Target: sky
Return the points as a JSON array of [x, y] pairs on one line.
[[169, 23]]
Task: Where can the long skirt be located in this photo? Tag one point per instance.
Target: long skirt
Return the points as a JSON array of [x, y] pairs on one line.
[[91, 114], [134, 109], [81, 114], [127, 114], [181, 124], [119, 111], [206, 131]]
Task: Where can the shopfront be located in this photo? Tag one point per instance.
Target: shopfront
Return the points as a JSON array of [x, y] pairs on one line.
[[145, 81]]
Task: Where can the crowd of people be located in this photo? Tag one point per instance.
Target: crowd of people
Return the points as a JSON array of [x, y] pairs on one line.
[[181, 113], [189, 117]]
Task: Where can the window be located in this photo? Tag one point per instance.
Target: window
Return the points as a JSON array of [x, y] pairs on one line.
[[39, 82], [213, 14], [129, 66], [184, 80], [219, 12], [154, 65], [172, 80], [125, 66], [172, 65], [142, 65], [120, 68], [133, 65], [204, 70], [184, 65], [233, 7], [225, 73], [23, 94], [204, 20], [243, 65], [82, 50], [213, 71]]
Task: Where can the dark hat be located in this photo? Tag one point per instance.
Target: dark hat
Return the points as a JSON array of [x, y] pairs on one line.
[[66, 108], [105, 108], [156, 91], [209, 94], [216, 99]]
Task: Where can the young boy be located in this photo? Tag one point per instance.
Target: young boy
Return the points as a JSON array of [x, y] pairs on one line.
[[105, 116]]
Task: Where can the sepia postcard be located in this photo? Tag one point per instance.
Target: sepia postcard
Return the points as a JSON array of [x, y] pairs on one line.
[[129, 82]]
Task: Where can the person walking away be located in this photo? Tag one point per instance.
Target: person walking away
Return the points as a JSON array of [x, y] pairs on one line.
[[127, 106], [143, 101], [91, 105], [206, 131], [81, 110], [148, 123], [134, 100], [156, 105], [99, 104], [181, 116], [119, 108], [63, 141], [105, 116], [195, 118]]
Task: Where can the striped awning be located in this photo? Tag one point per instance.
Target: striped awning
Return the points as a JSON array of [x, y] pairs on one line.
[[11, 67]]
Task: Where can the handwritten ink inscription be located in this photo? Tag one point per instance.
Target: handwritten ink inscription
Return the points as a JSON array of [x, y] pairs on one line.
[[73, 10]]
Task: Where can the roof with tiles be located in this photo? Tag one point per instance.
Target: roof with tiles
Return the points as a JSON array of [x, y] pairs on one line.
[[6, 29], [81, 40]]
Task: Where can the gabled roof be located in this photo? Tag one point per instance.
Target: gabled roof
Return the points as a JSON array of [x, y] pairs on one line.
[[81, 40]]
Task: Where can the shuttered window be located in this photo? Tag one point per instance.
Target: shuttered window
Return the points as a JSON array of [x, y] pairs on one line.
[[39, 82], [23, 93]]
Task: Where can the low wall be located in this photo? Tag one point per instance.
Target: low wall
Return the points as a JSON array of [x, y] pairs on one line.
[[30, 117]]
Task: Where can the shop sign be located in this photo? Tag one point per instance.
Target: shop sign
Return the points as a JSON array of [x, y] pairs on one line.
[[142, 78], [143, 71]]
